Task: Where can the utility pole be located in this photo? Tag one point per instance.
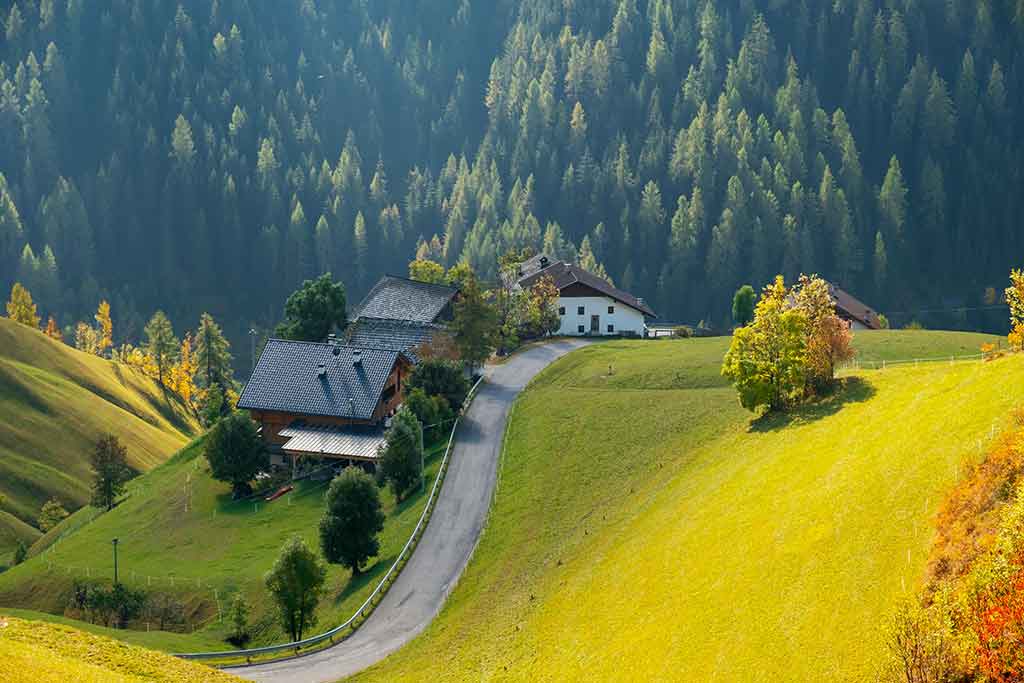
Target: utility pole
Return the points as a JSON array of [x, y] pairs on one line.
[[252, 344], [115, 561]]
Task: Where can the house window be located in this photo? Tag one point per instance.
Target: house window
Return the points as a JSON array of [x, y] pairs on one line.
[[580, 329], [611, 310], [611, 328], [579, 310], [561, 310]]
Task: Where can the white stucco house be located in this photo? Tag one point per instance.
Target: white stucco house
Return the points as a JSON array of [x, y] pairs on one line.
[[587, 304]]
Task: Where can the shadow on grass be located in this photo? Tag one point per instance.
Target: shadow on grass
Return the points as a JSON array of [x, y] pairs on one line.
[[369, 576], [846, 390]]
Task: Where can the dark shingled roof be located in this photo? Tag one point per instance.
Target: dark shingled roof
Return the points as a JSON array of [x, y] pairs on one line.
[[394, 335], [287, 379], [565, 274], [396, 298], [851, 308]]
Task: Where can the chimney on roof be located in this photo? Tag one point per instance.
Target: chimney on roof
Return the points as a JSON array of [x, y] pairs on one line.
[[321, 370], [543, 261], [357, 357]]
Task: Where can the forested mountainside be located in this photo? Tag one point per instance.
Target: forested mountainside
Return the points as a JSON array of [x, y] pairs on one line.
[[202, 155]]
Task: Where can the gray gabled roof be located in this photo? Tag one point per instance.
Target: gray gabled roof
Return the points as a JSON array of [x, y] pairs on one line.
[[394, 335], [396, 298], [310, 378], [566, 274]]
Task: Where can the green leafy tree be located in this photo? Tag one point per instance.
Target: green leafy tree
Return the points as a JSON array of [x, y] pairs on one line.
[[296, 584], [238, 617], [110, 471], [212, 354], [20, 552], [425, 270], [314, 310], [767, 359], [236, 453], [475, 325], [440, 377], [743, 305], [51, 514], [352, 520], [161, 344], [401, 460], [433, 412]]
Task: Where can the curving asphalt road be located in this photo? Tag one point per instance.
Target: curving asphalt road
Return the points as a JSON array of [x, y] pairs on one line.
[[448, 542]]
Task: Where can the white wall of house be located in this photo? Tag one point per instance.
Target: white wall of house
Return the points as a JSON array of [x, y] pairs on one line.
[[622, 319]]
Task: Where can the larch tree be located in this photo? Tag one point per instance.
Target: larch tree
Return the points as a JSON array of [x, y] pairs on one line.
[[212, 354], [105, 329], [21, 308], [161, 344], [1015, 300]]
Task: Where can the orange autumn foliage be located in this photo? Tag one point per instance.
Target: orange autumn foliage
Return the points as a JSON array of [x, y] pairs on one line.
[[1000, 630], [969, 517]]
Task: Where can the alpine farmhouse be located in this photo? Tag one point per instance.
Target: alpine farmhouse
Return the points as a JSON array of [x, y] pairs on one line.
[[331, 400], [588, 305]]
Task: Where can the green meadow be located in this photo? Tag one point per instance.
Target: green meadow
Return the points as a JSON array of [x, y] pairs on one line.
[[648, 528], [56, 402]]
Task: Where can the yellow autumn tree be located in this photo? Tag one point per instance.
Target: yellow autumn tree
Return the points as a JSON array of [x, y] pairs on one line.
[[86, 338], [105, 336], [1015, 300], [183, 373], [21, 308], [52, 331]]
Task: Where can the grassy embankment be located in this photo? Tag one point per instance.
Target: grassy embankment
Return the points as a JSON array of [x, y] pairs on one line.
[[37, 652], [55, 401], [647, 528], [180, 534]]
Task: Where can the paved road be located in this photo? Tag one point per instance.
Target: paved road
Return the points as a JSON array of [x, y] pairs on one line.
[[448, 542]]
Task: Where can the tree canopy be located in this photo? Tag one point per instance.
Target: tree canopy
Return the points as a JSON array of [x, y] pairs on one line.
[[235, 452], [352, 519], [313, 311]]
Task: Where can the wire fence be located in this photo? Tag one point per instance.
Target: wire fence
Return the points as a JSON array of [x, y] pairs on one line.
[[857, 364], [338, 633]]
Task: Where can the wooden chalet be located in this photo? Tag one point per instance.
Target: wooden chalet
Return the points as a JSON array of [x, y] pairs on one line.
[[325, 400]]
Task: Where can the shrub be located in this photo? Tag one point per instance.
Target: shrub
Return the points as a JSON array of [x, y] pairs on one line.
[[238, 615], [20, 552], [439, 377]]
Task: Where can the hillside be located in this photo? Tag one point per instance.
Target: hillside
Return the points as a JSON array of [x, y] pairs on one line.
[[36, 652], [646, 528], [55, 402], [165, 527], [685, 146]]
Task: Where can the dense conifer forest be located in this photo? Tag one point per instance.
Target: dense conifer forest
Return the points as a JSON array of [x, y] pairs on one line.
[[210, 155]]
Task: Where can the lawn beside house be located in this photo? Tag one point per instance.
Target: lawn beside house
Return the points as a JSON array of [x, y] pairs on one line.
[[181, 534], [647, 528]]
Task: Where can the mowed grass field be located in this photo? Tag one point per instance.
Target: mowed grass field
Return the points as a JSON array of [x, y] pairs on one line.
[[180, 534], [37, 652], [648, 528], [55, 402]]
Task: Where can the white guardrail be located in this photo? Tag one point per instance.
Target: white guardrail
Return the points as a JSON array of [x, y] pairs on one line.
[[368, 606]]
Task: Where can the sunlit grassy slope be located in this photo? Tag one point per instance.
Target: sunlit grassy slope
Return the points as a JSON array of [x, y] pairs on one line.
[[54, 403], [647, 528], [36, 652], [181, 534]]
